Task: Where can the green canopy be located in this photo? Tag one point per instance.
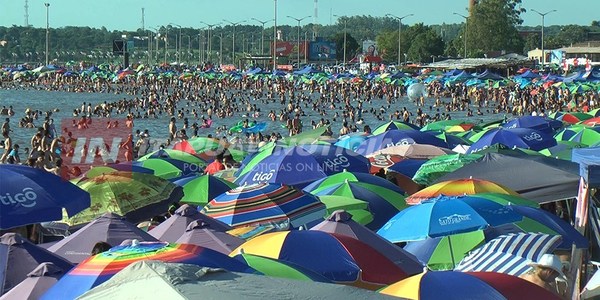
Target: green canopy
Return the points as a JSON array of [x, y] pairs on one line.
[[441, 165]]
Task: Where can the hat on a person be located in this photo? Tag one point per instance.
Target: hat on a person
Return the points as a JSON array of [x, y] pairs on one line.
[[550, 261]]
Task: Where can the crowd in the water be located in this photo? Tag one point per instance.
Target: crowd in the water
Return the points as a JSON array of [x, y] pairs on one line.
[[193, 102]]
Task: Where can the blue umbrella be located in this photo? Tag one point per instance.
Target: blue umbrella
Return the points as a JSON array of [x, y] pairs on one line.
[[29, 196], [407, 167], [569, 235], [534, 122], [444, 216], [398, 137], [514, 137], [351, 141], [509, 254]]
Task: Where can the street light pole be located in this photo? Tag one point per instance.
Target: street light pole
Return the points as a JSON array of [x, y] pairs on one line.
[[543, 15], [262, 34], [233, 46], [47, 30], [177, 43], [274, 35], [466, 28], [298, 41], [210, 27], [221, 49], [345, 33], [399, 34]]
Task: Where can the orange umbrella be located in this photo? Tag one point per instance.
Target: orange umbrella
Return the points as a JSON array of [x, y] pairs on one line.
[[459, 187]]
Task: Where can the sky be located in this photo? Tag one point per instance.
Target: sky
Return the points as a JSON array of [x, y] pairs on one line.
[[126, 14]]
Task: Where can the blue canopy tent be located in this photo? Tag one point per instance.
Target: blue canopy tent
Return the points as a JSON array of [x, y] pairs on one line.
[[529, 75], [307, 70], [589, 164], [452, 72], [486, 75], [462, 76]]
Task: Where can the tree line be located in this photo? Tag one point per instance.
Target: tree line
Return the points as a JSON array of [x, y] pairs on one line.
[[493, 25]]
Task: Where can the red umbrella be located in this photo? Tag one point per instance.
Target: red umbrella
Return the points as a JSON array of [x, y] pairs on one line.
[[513, 287]]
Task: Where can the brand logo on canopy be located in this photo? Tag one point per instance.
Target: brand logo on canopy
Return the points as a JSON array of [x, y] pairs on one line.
[[25, 199], [454, 219]]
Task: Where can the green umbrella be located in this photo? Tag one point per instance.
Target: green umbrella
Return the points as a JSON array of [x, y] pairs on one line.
[[199, 190], [307, 137], [441, 165], [136, 196], [174, 154], [562, 150], [444, 258], [585, 135], [393, 125], [505, 199], [168, 169], [442, 125], [502, 149], [453, 139], [276, 268], [357, 208]]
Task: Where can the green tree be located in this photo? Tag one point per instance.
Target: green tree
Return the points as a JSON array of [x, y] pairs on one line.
[[352, 46], [387, 42], [532, 41], [425, 46], [493, 26]]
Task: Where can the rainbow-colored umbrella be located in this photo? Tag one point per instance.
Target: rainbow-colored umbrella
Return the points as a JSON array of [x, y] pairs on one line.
[[339, 258], [101, 267], [459, 187], [265, 204]]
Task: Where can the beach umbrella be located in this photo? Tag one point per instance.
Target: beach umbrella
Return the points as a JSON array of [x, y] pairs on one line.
[[313, 136], [502, 149], [202, 234], [358, 208], [136, 196], [443, 125], [101, 267], [279, 268], [562, 150], [176, 155], [185, 281], [265, 204], [168, 168], [393, 125], [207, 148], [453, 140], [537, 178], [383, 202], [459, 286], [341, 222], [414, 151], [443, 164], [36, 284], [458, 187], [358, 177], [111, 168], [110, 228], [445, 215], [383, 161], [592, 122], [227, 174], [339, 258], [31, 195], [171, 229], [592, 287], [595, 112], [572, 117], [539, 220], [199, 190], [407, 167], [351, 141], [509, 254], [331, 159], [436, 254], [587, 136], [19, 257], [515, 137], [398, 137], [542, 124]]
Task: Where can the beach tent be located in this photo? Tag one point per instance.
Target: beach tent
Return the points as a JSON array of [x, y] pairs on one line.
[[185, 281], [538, 178], [589, 164], [487, 75], [452, 72], [529, 75], [37, 282]]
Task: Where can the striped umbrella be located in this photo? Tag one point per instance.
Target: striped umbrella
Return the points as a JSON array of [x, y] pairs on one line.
[[509, 254], [265, 204], [392, 125]]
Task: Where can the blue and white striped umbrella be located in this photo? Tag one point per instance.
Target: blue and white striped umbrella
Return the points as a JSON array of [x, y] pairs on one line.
[[509, 254]]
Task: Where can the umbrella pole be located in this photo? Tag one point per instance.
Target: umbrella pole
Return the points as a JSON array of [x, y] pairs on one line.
[[451, 252]]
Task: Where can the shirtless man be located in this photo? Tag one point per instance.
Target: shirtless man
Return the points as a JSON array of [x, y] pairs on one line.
[[7, 147], [545, 272]]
